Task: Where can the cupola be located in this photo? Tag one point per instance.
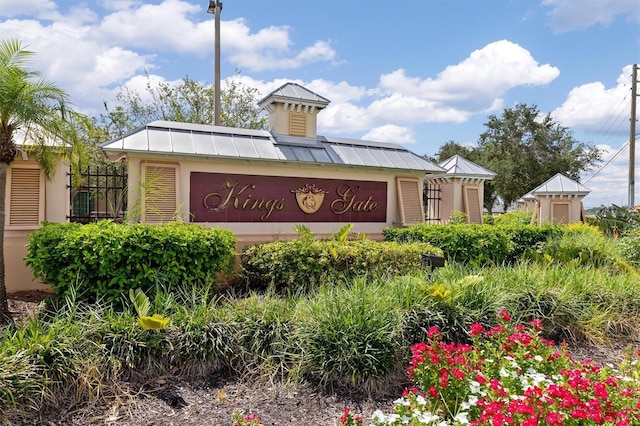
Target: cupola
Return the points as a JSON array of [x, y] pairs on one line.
[[293, 110]]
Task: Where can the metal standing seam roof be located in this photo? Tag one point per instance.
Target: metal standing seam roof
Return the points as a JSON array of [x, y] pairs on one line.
[[459, 166], [560, 184], [164, 137], [294, 93], [526, 197]]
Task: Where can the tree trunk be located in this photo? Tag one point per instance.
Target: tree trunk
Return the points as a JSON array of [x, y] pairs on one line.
[[5, 317]]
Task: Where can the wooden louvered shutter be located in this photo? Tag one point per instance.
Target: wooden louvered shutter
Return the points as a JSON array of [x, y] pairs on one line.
[[25, 193], [560, 212], [160, 194], [411, 209], [297, 124], [472, 205]]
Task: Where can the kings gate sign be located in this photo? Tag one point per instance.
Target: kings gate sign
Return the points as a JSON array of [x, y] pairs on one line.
[[223, 197]]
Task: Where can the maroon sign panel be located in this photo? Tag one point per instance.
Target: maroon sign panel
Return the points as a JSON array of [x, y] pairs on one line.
[[222, 197]]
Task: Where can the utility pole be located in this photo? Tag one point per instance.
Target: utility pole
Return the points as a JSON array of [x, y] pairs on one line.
[[632, 136], [215, 7]]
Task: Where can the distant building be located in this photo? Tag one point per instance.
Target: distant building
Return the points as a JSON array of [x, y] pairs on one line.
[[462, 189], [558, 200]]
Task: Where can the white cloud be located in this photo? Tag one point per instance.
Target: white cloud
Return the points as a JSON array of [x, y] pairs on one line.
[[474, 85], [147, 26], [12, 8], [340, 92], [595, 108], [88, 55], [69, 54], [390, 133], [569, 15], [343, 118], [270, 48]]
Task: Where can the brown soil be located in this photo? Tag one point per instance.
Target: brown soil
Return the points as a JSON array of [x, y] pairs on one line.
[[167, 401]]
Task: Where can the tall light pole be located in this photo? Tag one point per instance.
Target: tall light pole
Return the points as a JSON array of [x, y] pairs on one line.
[[215, 7], [632, 136]]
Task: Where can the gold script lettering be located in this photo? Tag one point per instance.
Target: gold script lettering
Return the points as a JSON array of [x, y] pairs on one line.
[[236, 197], [347, 201]]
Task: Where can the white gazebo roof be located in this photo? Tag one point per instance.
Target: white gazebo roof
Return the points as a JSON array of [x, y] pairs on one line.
[[459, 167], [560, 185]]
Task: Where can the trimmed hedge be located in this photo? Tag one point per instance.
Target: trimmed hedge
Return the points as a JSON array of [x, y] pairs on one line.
[[301, 265], [476, 244], [107, 259]]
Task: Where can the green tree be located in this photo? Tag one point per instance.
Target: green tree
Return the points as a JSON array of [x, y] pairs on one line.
[[35, 113], [189, 101], [525, 148], [451, 148]]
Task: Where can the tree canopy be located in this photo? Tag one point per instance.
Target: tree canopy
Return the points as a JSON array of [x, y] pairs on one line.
[[524, 148], [188, 101]]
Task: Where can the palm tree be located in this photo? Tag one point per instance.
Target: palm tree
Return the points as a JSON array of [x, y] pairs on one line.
[[35, 111]]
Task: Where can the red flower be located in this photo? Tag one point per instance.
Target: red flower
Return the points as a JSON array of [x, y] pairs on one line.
[[434, 332], [476, 329], [504, 315], [554, 418]]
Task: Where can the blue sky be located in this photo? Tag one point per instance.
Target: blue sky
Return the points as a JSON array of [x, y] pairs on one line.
[[414, 72]]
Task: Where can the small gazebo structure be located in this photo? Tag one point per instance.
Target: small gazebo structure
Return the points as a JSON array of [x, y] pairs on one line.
[[527, 202], [462, 187], [559, 200]]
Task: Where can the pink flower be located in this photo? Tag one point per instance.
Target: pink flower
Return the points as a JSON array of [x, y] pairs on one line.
[[504, 315], [476, 329], [434, 332]]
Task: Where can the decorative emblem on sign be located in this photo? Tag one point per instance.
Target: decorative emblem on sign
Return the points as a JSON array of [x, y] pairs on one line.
[[309, 198]]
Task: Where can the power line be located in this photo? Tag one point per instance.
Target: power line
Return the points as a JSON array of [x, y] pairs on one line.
[[604, 166], [621, 108]]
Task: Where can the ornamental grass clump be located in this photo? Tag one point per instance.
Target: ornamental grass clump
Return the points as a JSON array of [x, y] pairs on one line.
[[510, 375], [349, 336]]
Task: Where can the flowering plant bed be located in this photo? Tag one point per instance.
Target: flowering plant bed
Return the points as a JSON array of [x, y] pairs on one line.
[[510, 375]]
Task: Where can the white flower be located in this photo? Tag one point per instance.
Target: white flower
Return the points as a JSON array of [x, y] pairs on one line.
[[379, 416], [427, 418], [462, 418], [401, 401], [473, 400], [538, 358]]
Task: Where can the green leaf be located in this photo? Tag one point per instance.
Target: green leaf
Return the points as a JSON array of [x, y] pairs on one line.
[[140, 302]]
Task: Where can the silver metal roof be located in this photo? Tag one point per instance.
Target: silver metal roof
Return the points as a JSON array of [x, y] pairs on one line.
[[560, 184], [459, 166], [167, 137], [296, 94]]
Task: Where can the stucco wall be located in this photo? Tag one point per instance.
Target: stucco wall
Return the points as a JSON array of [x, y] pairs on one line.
[[546, 204], [266, 231], [53, 208]]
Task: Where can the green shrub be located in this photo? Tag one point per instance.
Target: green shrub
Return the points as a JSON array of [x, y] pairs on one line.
[[513, 218], [303, 264], [582, 245], [475, 244], [629, 245], [457, 217], [106, 259]]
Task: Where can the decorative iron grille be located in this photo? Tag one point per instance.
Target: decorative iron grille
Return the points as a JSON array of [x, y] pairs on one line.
[[431, 196], [102, 194]]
